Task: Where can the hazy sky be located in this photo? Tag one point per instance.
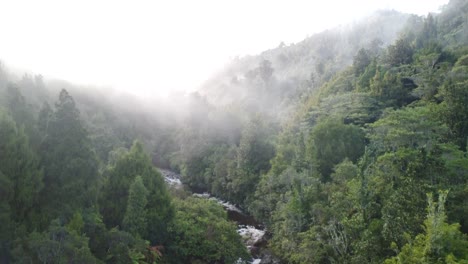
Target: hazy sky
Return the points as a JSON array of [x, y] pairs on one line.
[[157, 46]]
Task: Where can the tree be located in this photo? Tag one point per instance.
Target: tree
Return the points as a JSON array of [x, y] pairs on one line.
[[356, 108], [70, 166], [20, 166], [392, 86], [361, 61], [455, 105], [115, 194], [400, 53], [21, 112], [411, 127], [6, 228], [253, 158], [202, 234], [44, 118], [134, 220], [440, 243], [265, 70], [331, 142], [56, 245], [428, 33]]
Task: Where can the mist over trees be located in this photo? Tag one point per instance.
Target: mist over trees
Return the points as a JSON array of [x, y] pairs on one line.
[[349, 146]]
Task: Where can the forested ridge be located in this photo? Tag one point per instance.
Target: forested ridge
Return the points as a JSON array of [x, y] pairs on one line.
[[350, 147]]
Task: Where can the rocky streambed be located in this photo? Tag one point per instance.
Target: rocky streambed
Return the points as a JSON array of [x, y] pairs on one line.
[[252, 232]]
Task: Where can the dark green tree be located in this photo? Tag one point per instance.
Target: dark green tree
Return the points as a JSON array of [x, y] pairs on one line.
[[440, 243], [202, 234], [70, 166], [455, 105], [400, 53], [7, 226], [253, 158], [134, 220], [22, 113], [115, 194], [56, 245], [361, 61], [44, 117], [20, 165], [331, 142]]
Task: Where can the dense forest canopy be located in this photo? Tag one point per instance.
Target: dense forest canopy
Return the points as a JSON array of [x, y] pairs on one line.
[[350, 147]]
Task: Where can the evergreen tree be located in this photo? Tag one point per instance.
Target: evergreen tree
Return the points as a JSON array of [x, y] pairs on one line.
[[115, 194], [44, 118], [455, 94], [134, 220], [6, 228], [20, 166], [21, 112], [71, 168], [56, 245], [361, 61]]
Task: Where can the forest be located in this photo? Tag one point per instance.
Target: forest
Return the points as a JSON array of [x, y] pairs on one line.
[[349, 147]]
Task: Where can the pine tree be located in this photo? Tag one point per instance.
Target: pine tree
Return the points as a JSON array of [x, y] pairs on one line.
[[44, 118], [20, 183], [6, 229], [115, 194], [134, 221], [71, 167], [20, 166], [21, 112]]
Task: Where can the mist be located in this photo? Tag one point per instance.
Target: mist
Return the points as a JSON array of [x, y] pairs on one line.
[[154, 49], [233, 132]]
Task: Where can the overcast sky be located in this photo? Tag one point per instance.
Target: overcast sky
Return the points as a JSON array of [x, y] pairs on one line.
[[158, 46]]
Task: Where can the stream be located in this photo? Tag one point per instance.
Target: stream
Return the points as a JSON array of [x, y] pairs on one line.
[[252, 232]]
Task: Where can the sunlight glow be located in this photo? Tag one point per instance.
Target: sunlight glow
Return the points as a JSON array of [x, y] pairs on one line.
[[154, 47]]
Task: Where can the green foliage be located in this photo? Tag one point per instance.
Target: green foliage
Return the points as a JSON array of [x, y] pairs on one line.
[[355, 108], [281, 134], [6, 228], [392, 86], [440, 243], [455, 105], [202, 234], [56, 245], [21, 112], [411, 127], [361, 61], [364, 80], [400, 53], [253, 159], [44, 117], [297, 224], [70, 166], [331, 142], [76, 224], [123, 248], [135, 216], [341, 83], [114, 200], [21, 170], [271, 189], [431, 64]]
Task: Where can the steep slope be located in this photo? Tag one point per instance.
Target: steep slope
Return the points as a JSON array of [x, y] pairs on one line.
[[280, 76]]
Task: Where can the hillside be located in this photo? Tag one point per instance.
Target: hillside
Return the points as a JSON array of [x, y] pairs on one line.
[[281, 76], [349, 147]]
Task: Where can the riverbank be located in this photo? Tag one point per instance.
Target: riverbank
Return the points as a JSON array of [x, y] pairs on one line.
[[253, 233]]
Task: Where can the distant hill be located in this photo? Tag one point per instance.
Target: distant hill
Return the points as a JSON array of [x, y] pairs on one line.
[[281, 75]]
